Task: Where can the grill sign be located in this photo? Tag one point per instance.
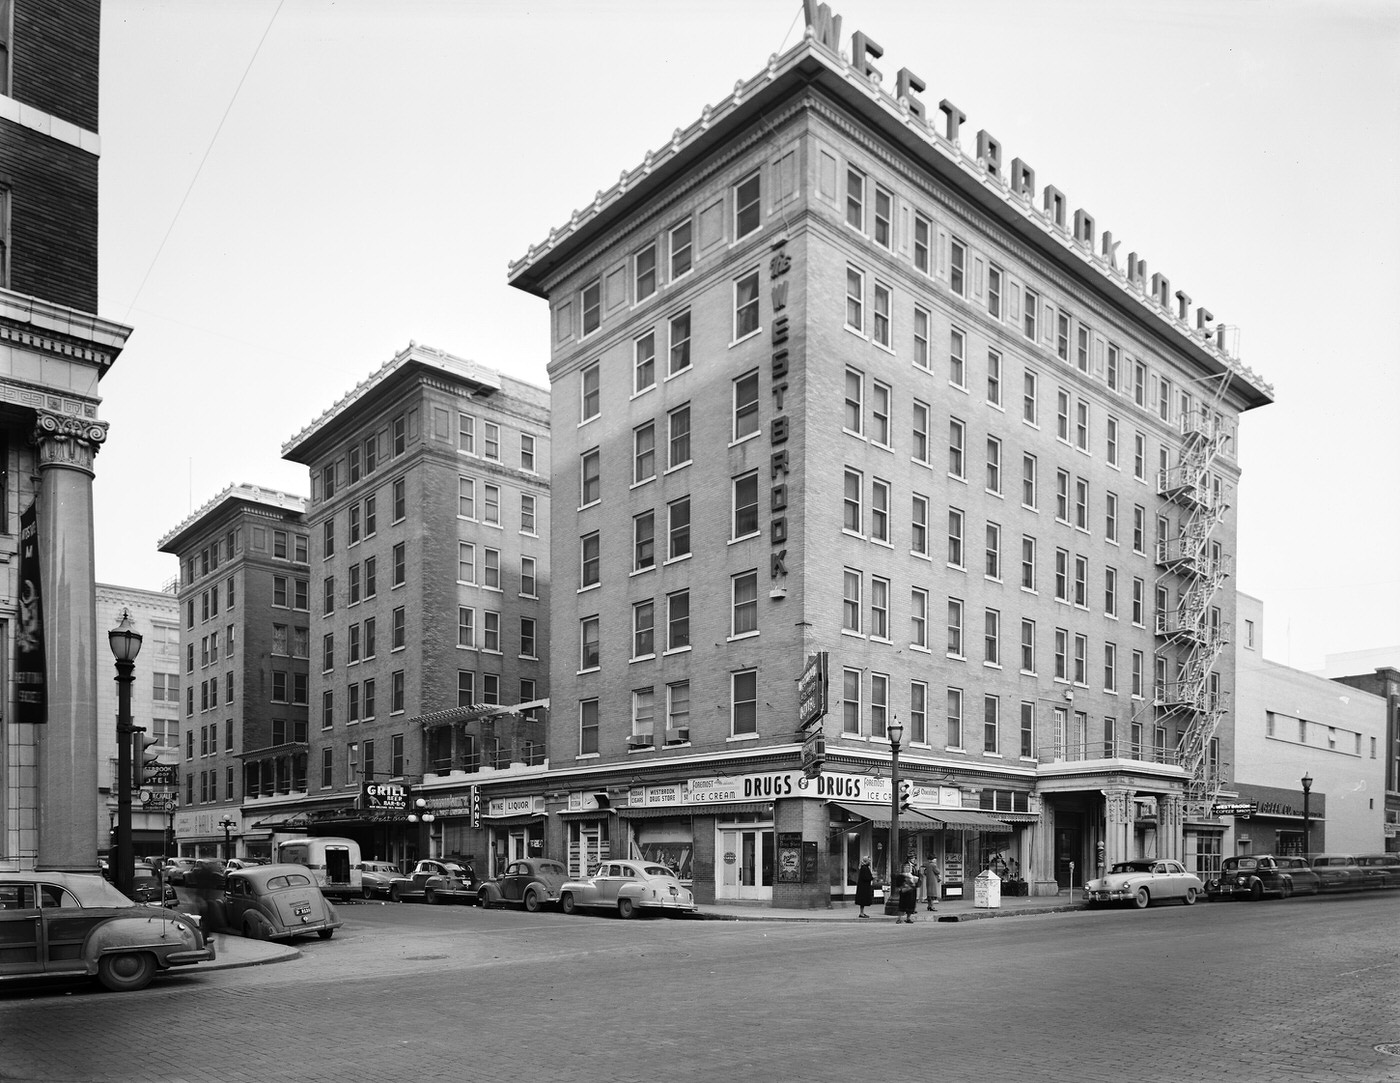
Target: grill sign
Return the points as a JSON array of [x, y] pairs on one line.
[[387, 797]]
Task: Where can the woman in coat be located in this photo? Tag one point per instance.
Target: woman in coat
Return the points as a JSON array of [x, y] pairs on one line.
[[865, 886]]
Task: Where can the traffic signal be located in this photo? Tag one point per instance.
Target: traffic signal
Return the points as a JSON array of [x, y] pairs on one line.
[[906, 795]]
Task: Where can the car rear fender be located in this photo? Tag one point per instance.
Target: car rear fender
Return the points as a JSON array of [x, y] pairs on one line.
[[155, 931]]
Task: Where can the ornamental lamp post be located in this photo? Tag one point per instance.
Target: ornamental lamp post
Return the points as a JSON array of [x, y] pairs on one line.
[[125, 642], [1307, 814], [896, 734], [228, 825]]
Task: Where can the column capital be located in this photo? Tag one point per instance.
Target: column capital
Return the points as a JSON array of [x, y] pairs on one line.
[[66, 440]]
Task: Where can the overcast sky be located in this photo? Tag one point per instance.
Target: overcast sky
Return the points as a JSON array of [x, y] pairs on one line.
[[292, 190]]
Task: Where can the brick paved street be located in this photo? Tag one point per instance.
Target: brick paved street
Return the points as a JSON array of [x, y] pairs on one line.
[[1288, 991]]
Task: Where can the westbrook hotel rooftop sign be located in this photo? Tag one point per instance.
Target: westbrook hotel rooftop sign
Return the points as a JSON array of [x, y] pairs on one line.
[[1017, 179]]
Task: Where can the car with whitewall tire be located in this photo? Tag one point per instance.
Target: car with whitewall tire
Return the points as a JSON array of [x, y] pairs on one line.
[[1143, 882]]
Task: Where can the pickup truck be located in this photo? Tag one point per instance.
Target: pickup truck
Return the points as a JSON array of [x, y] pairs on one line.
[[436, 881]]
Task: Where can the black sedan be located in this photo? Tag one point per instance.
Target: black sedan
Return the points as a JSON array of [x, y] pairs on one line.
[[1254, 876]]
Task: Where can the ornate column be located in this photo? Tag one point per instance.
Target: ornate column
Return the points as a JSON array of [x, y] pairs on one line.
[[1118, 825], [1170, 823], [1041, 872], [66, 446]]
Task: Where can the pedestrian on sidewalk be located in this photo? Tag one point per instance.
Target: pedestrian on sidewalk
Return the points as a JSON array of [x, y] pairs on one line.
[[908, 887], [932, 876], [865, 886]]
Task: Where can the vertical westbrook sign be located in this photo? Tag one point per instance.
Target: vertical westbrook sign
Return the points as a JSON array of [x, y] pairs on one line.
[[811, 690], [778, 267]]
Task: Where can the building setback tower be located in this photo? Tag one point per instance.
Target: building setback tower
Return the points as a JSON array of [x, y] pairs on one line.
[[835, 395], [53, 352]]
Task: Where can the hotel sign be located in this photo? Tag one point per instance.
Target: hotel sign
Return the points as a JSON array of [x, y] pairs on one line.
[[811, 690]]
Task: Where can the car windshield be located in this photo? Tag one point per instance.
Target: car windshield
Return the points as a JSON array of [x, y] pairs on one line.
[[1245, 863], [1132, 866]]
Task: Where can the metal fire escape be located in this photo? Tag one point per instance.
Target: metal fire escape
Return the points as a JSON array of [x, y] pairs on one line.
[[1191, 636]]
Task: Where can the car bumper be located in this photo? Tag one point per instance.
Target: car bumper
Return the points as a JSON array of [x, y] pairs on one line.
[[1114, 894], [667, 904], [194, 955]]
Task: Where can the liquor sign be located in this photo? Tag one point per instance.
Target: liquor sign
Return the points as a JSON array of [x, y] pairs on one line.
[[811, 690]]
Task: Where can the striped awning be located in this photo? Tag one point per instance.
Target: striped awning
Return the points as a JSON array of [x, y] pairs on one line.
[[966, 819]]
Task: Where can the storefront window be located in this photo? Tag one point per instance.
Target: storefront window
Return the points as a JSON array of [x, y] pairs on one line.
[[669, 844]]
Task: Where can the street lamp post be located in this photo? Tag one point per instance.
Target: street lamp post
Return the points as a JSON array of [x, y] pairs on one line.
[[228, 825], [1307, 815], [171, 804], [125, 642], [896, 734]]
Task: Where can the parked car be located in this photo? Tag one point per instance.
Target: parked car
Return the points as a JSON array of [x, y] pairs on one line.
[[1339, 872], [1145, 881], [436, 881], [375, 878], [242, 863], [149, 886], [629, 887], [1382, 869], [1252, 876], [55, 924], [176, 867], [269, 902], [531, 883]]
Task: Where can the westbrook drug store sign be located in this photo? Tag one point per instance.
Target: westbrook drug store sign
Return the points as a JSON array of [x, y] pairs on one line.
[[771, 785]]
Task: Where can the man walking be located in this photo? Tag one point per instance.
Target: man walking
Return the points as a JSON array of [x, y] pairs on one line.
[[931, 879]]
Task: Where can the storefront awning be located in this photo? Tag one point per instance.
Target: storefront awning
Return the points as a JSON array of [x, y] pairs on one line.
[[967, 819], [676, 812], [879, 815], [518, 820]]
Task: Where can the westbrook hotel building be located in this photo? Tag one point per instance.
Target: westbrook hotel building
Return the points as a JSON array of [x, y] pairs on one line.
[[837, 384]]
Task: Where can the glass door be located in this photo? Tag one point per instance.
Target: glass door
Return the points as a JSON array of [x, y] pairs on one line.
[[745, 864]]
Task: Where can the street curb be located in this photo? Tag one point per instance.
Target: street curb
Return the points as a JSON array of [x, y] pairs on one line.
[[977, 915], [264, 955]]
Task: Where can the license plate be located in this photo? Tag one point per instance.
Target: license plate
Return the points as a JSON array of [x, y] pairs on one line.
[[301, 908]]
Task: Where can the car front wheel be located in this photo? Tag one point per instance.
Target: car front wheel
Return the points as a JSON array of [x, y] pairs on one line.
[[532, 901], [1190, 896], [1142, 898], [482, 900], [431, 897], [626, 909], [395, 895], [566, 903], [1256, 891], [127, 972], [367, 891]]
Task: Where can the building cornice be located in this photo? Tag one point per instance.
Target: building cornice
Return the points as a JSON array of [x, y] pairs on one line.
[[253, 495]]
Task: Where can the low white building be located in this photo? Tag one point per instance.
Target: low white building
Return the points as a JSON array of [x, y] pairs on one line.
[[1290, 725]]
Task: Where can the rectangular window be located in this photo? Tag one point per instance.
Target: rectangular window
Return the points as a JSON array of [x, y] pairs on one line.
[[466, 626], [1061, 575], [1061, 654], [744, 701], [491, 568], [882, 306], [1081, 425], [851, 601], [992, 568], [879, 608], [1030, 497], [922, 354], [855, 300], [590, 478], [1110, 524], [1030, 312], [1062, 495], [956, 437], [1027, 646], [918, 617], [527, 577], [745, 406], [918, 526], [854, 417], [328, 595], [590, 393], [1110, 667], [1062, 336], [643, 541], [589, 560], [680, 237], [678, 437], [1081, 581], [884, 213], [1111, 441], [744, 603], [1027, 562], [588, 727], [678, 620], [955, 627], [745, 305], [466, 562], [678, 347], [1081, 503], [1139, 601], [957, 358], [644, 453], [1139, 456], [1081, 659], [400, 501], [993, 465], [955, 718], [466, 433], [879, 705], [588, 656], [644, 362], [955, 538], [591, 304], [957, 267], [747, 215], [921, 433], [991, 637], [879, 413], [527, 452], [1081, 348], [994, 291], [643, 629], [1139, 529], [745, 506], [991, 724], [918, 713], [644, 272], [1027, 729], [855, 199], [923, 243], [879, 510], [852, 515], [678, 707], [993, 378], [850, 701], [678, 528], [1137, 674], [1062, 416], [398, 629]]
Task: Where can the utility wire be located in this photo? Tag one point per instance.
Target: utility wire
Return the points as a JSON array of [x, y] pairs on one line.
[[207, 150]]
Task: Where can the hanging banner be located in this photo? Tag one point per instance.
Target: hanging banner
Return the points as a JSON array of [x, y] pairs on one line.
[[31, 702]]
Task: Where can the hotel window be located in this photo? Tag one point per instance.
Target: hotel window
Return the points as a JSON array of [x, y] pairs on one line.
[[746, 406], [491, 442], [851, 601], [681, 251], [491, 505], [1062, 416], [327, 709], [854, 416], [678, 437], [747, 215], [1139, 601], [1139, 456], [1111, 441], [991, 637], [1110, 512], [957, 267], [678, 705], [1061, 575], [853, 518], [678, 620], [644, 272], [327, 485], [591, 304], [745, 504], [923, 242], [1062, 495], [957, 363], [527, 577], [1061, 654], [643, 630], [855, 199], [1062, 336], [352, 527], [527, 452], [589, 393], [1027, 729], [590, 479], [400, 435], [397, 560], [994, 377], [1027, 562], [643, 713], [466, 562], [918, 526], [879, 704], [994, 291], [956, 436], [679, 342], [527, 514], [744, 603], [466, 626], [955, 538], [327, 653], [299, 594], [745, 305], [1030, 495], [1027, 646], [644, 362], [991, 724], [397, 629], [884, 212], [855, 300], [678, 528], [1140, 384], [922, 357], [993, 563], [1137, 671], [1139, 530], [1081, 348], [588, 727], [1081, 425], [879, 510], [643, 541], [879, 608], [955, 716], [1030, 311], [589, 560], [1111, 368], [918, 713], [1081, 581], [1164, 398], [993, 465], [882, 301], [744, 700], [1081, 659], [1081, 503], [491, 568], [644, 453], [920, 434], [466, 433], [1030, 398], [955, 628], [588, 643], [918, 617], [327, 595], [850, 701], [400, 499], [328, 538], [1110, 592], [1110, 667]]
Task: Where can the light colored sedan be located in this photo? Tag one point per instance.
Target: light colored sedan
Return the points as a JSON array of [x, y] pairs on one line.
[[1145, 881], [375, 877], [629, 887]]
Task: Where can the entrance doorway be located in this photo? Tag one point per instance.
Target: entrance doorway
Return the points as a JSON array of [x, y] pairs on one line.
[[1069, 847], [745, 861]]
